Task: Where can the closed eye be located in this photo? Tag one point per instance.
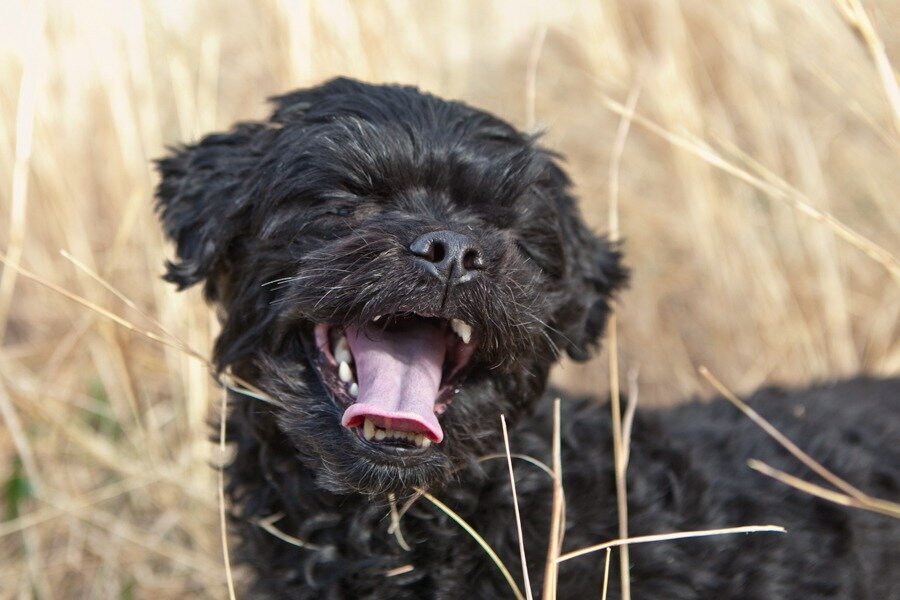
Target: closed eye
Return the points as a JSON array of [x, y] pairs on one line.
[[341, 211], [541, 258]]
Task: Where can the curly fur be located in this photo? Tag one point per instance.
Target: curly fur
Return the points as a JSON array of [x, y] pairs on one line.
[[307, 218]]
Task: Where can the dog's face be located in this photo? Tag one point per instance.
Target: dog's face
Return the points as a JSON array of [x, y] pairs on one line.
[[395, 270]]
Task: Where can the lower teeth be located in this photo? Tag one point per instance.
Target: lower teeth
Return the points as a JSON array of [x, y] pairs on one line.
[[373, 432]]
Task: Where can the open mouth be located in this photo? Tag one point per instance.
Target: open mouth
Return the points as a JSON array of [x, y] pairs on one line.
[[395, 375]]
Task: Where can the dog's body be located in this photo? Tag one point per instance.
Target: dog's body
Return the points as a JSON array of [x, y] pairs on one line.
[[394, 272], [687, 471]]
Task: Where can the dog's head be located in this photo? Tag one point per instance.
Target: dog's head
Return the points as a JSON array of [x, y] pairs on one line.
[[396, 270]]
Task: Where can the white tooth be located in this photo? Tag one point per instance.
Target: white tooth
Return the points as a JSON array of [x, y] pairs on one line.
[[342, 351], [380, 434], [368, 429], [354, 390], [419, 440], [462, 329], [345, 373], [426, 442]]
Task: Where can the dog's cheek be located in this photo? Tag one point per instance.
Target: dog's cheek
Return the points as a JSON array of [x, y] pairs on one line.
[[472, 421], [595, 274]]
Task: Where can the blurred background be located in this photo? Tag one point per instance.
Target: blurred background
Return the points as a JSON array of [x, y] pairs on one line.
[[763, 130]]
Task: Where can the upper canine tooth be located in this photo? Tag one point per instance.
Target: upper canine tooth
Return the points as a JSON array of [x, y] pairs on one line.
[[342, 351], [345, 373], [462, 329], [368, 429], [354, 389]]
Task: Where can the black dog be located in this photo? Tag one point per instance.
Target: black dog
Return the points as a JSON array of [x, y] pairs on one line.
[[395, 272]]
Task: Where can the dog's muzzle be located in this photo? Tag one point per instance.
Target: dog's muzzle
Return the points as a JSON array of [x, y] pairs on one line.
[[451, 257]]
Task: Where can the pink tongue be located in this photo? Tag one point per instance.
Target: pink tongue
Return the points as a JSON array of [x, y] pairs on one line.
[[399, 375]]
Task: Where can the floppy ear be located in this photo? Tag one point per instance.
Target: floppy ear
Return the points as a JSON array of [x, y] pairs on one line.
[[591, 270], [203, 187], [206, 186], [595, 274]]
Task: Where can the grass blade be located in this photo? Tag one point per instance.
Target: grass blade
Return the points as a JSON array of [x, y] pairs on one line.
[[479, 540]]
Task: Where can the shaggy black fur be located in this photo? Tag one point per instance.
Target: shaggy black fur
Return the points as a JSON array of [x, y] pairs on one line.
[[308, 218]]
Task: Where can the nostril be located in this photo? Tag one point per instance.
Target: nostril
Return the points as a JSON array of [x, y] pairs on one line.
[[429, 249], [472, 260], [438, 252]]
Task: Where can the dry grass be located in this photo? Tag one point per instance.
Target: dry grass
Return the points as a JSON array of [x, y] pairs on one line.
[[756, 196]]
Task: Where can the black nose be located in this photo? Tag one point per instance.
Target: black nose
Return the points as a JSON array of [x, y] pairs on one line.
[[448, 255]]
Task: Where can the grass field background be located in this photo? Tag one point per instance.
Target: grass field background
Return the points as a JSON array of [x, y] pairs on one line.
[[762, 130]]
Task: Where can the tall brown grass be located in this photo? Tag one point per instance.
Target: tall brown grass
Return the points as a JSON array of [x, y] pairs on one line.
[[107, 490]]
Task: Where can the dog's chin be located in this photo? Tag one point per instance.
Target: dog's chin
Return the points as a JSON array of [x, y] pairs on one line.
[[357, 467], [344, 462]]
